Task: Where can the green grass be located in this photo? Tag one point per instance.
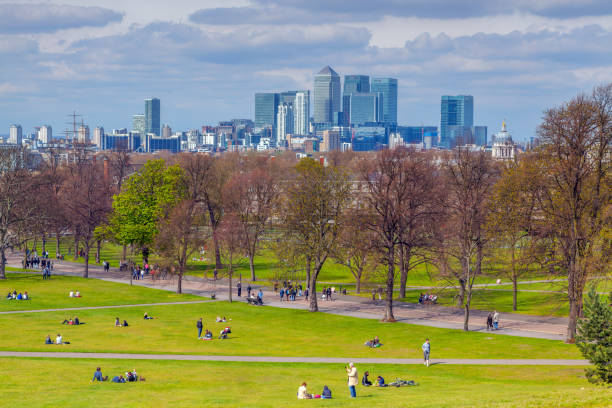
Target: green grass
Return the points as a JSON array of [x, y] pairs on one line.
[[259, 331], [53, 293], [63, 382]]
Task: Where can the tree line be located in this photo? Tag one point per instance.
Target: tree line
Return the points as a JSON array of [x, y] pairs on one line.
[[549, 210]]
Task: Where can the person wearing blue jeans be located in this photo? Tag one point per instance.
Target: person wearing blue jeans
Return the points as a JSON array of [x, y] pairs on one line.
[[353, 379], [426, 348]]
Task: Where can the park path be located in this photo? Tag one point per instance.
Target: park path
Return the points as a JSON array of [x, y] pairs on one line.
[[105, 307], [267, 359], [545, 327]]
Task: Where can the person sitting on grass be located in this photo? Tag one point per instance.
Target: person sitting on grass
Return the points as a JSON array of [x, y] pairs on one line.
[[48, 340], [117, 322], [224, 333], [125, 323], [208, 335], [98, 375], [326, 394], [218, 319], [365, 381], [375, 342], [71, 322], [77, 321], [26, 296], [302, 392], [19, 296], [10, 295], [118, 379], [59, 339], [380, 382], [77, 294], [131, 376], [147, 317]]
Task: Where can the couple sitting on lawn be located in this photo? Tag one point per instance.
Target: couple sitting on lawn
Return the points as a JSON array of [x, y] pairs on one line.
[[303, 393], [130, 376], [375, 342], [74, 321], [118, 323], [365, 381], [74, 294], [58, 340]]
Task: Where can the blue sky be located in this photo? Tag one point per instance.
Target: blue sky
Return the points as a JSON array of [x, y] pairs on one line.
[[206, 59]]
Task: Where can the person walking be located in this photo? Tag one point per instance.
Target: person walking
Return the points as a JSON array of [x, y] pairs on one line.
[[353, 379], [249, 291], [282, 294], [490, 321], [426, 348], [496, 320], [239, 286], [199, 325]]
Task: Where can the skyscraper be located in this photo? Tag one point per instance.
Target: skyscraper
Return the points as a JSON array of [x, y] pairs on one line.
[[15, 134], [166, 131], [301, 112], [98, 136], [139, 124], [388, 87], [83, 134], [45, 134], [356, 83], [326, 96], [265, 110], [455, 111], [284, 122], [366, 107], [152, 116]]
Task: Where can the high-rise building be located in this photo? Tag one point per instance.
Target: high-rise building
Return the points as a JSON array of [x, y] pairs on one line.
[[265, 110], [388, 87], [139, 124], [83, 134], [152, 116], [356, 84], [366, 108], [15, 134], [301, 113], [45, 134], [331, 140], [98, 136], [326, 96], [166, 131], [455, 111], [284, 123]]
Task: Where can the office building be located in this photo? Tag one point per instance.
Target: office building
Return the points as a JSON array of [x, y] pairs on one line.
[[265, 110], [139, 124], [152, 116], [417, 134], [284, 123], [366, 108], [166, 131], [327, 96], [98, 135], [388, 88], [45, 134], [15, 135], [356, 84], [83, 134], [331, 141], [301, 113], [455, 111], [153, 144]]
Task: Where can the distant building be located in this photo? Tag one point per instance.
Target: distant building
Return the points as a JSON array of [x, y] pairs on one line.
[[265, 110], [467, 135], [326, 96], [284, 123], [152, 116], [153, 144], [166, 131], [388, 88], [83, 134], [301, 112], [356, 84], [45, 134], [504, 147], [15, 135], [455, 111], [139, 124], [98, 135], [331, 141], [417, 134], [366, 108]]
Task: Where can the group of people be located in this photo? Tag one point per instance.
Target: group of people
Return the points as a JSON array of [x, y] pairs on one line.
[[74, 293], [374, 343], [130, 376], [290, 292], [208, 334], [58, 340], [493, 320], [17, 296], [427, 297], [380, 381], [119, 324], [302, 393], [71, 321], [326, 293], [255, 300]]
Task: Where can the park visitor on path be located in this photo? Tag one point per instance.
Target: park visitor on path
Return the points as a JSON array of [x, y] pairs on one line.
[[496, 319], [199, 325], [353, 379], [239, 286], [426, 348]]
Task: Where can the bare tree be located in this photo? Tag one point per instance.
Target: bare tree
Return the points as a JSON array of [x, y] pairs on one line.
[[469, 180], [231, 244], [576, 157]]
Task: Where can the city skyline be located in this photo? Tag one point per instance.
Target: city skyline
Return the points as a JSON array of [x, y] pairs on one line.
[[515, 58]]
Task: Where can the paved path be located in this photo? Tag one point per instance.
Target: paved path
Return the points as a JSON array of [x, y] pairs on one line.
[[545, 327], [265, 359], [104, 307]]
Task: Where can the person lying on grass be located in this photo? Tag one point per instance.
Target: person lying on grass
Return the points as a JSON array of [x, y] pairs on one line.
[[375, 342], [224, 333], [118, 379], [147, 317]]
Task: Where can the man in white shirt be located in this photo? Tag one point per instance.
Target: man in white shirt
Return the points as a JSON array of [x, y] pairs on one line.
[[58, 339]]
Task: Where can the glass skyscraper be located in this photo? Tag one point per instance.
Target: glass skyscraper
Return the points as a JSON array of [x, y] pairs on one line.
[[152, 116], [455, 111], [266, 105], [366, 107], [388, 87], [356, 83], [139, 124], [301, 113], [326, 96]]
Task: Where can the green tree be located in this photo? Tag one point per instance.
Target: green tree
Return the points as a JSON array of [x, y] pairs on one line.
[[145, 198], [594, 337]]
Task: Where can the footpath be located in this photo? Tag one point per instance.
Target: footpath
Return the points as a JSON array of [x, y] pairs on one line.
[[512, 324]]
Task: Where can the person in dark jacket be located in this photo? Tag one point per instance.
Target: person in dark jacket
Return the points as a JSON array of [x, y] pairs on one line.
[[365, 381], [326, 394], [199, 325]]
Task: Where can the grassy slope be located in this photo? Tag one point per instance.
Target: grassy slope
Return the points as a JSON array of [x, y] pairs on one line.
[[62, 382], [259, 331], [53, 293]]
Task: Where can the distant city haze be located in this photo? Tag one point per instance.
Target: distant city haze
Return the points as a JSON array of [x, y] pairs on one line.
[[205, 60]]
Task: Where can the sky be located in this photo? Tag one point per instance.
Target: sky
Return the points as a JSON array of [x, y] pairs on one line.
[[206, 59]]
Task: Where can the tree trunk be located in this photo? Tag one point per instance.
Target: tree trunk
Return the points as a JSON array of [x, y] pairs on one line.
[[358, 280], [44, 243], [461, 295], [466, 316], [76, 247], [252, 267], [179, 283], [98, 245], [86, 270], [312, 287], [218, 264], [57, 242], [403, 273], [145, 255], [2, 264], [124, 254], [230, 283], [514, 281], [574, 313], [390, 278]]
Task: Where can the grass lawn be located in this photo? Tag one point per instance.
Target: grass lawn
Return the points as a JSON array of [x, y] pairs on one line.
[[53, 293], [63, 382], [258, 331]]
